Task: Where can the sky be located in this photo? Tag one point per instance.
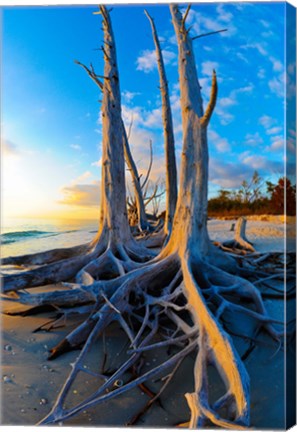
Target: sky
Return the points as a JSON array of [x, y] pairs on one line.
[[50, 109]]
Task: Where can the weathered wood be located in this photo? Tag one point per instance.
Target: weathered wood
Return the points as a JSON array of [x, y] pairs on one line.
[[185, 277], [240, 241], [143, 223], [46, 257], [171, 173]]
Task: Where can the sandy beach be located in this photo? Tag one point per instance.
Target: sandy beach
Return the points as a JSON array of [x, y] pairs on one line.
[[30, 382]]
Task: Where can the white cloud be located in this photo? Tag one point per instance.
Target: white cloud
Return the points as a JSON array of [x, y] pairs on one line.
[[97, 163], [227, 101], [80, 179], [277, 85], [86, 195], [242, 57], [276, 64], [253, 139], [207, 67], [232, 98], [291, 142], [135, 113], [274, 130], [247, 89], [277, 143], [129, 96], [224, 117], [261, 48], [169, 57], [205, 84], [261, 73], [147, 61], [266, 121], [75, 147], [264, 23], [263, 164], [201, 23], [221, 144], [219, 173], [223, 14], [154, 118], [255, 162]]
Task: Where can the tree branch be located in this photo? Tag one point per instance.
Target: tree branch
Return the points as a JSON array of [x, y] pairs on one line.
[[208, 34], [212, 102], [185, 16], [91, 74], [150, 166]]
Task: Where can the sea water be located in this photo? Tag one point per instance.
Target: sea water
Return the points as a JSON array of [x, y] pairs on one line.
[[24, 236]]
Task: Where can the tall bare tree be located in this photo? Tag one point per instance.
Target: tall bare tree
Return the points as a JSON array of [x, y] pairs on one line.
[[114, 235], [185, 292], [171, 175]]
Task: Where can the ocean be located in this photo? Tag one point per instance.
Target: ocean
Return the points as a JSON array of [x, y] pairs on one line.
[[24, 236]]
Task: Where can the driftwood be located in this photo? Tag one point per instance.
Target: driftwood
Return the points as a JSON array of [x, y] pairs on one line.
[[181, 297], [240, 241]]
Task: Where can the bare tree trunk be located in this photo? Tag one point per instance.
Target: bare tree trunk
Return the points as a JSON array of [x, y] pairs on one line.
[[113, 191], [114, 232], [142, 219], [171, 175], [186, 277], [143, 224], [190, 222], [240, 241], [190, 240]]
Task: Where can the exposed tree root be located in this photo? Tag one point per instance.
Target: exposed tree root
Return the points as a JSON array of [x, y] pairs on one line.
[[46, 257], [105, 261], [186, 298], [156, 239], [240, 242], [185, 302]]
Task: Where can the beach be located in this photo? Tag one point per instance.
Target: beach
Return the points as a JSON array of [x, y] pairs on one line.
[[30, 382]]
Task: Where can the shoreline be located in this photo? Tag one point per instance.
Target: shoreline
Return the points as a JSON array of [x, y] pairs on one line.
[[30, 383]]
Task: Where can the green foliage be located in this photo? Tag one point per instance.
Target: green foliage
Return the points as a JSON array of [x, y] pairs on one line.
[[251, 198], [284, 192]]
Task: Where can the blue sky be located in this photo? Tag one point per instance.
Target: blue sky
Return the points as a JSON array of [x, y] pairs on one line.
[[51, 128]]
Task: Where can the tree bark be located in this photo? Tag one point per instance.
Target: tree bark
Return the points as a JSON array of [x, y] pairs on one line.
[[240, 241], [143, 224], [114, 231], [186, 277], [113, 218], [171, 174], [190, 222]]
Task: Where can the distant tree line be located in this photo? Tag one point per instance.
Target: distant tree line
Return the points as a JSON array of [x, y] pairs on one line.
[[255, 197]]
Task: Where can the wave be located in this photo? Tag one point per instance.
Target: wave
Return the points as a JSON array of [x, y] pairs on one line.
[[17, 236]]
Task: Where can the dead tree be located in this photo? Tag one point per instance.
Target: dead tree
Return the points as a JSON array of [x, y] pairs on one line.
[[137, 204], [171, 175], [185, 294], [142, 221], [113, 241], [152, 194], [240, 242]]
